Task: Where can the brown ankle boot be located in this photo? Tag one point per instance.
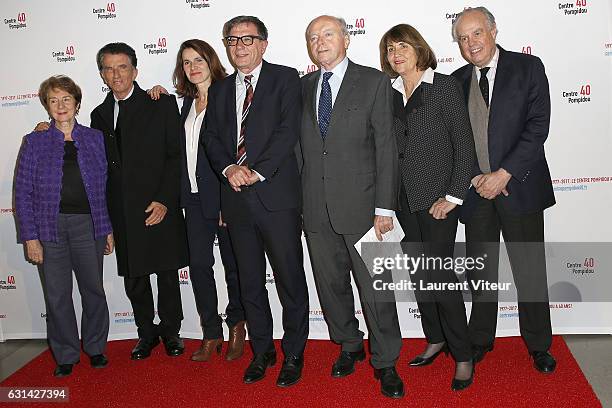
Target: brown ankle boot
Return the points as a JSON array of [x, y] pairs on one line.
[[206, 349], [235, 346]]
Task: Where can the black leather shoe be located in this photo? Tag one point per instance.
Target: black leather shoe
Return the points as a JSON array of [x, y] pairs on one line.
[[391, 384], [62, 370], [544, 362], [291, 372], [257, 369], [143, 348], [458, 385], [98, 361], [479, 352], [419, 361], [174, 345], [345, 364]]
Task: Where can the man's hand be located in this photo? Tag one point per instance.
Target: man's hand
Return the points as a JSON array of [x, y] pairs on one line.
[[158, 212], [493, 184], [382, 225], [110, 245], [34, 250], [440, 208], [238, 176], [156, 92], [221, 223], [42, 126]]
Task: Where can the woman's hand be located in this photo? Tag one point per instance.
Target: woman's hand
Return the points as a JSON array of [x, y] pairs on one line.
[[440, 208], [34, 250], [110, 245], [42, 126], [156, 92]]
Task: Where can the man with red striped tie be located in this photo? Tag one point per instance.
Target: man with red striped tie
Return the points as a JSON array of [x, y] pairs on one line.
[[252, 126]]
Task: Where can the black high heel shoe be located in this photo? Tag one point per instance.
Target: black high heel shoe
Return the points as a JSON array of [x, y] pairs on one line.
[[419, 361], [458, 385]]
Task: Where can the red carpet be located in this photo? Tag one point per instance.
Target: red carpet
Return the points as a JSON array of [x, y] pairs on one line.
[[505, 379]]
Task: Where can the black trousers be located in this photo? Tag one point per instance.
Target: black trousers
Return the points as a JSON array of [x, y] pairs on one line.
[[443, 315], [528, 263], [201, 234], [258, 232], [169, 307]]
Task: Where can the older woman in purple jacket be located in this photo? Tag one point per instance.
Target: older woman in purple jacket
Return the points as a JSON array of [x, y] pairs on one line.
[[60, 201]]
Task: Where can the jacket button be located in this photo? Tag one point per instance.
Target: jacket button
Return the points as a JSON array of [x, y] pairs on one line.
[[325, 152]]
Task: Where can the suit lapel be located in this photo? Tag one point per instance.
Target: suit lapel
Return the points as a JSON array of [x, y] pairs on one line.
[[106, 111], [312, 88], [500, 86], [231, 142]]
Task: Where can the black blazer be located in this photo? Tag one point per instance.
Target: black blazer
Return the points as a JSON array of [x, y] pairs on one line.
[[519, 119], [148, 169], [208, 182], [272, 132], [434, 141]]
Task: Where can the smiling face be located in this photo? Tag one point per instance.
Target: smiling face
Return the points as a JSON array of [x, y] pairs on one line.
[[402, 57], [195, 67], [246, 57], [62, 106], [476, 39], [118, 73], [326, 42]]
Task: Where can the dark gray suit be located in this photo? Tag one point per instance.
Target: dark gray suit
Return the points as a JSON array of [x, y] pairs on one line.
[[344, 178]]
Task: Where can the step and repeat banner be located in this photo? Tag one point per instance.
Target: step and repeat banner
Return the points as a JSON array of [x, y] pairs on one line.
[[573, 39]]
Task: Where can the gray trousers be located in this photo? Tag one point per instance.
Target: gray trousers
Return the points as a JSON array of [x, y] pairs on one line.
[[75, 249], [333, 256]]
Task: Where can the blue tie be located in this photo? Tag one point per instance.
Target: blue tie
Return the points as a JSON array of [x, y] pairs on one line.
[[325, 104]]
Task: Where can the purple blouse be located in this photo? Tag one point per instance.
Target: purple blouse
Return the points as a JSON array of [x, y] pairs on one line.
[[38, 182]]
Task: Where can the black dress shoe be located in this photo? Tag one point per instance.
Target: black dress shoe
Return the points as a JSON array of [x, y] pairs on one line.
[[98, 361], [479, 352], [62, 370], [458, 385], [174, 345], [257, 369], [544, 362], [345, 364], [419, 361], [291, 372], [391, 384], [143, 348]]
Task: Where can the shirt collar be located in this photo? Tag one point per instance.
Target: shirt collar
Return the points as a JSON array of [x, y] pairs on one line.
[[255, 73], [127, 97], [398, 83], [493, 63], [339, 70]]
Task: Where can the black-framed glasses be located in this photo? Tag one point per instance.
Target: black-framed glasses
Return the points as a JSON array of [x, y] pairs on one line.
[[232, 41]]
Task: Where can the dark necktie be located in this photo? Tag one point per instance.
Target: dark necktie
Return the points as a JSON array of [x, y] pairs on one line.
[[484, 84], [121, 105], [325, 104], [241, 152]]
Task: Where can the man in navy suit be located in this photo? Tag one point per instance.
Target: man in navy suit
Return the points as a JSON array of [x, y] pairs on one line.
[[509, 106], [253, 124]]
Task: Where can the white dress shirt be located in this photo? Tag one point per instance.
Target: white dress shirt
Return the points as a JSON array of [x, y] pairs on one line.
[[335, 81], [116, 108], [240, 97], [490, 74], [193, 123], [427, 77]]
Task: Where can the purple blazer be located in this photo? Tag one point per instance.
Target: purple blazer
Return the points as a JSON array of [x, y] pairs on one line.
[[38, 182]]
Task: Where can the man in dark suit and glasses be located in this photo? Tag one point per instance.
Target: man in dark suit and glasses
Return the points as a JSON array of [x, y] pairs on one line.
[[253, 121], [349, 182], [509, 106]]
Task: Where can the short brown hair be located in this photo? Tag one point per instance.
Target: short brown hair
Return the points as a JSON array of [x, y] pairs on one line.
[[61, 82], [407, 34], [179, 78]]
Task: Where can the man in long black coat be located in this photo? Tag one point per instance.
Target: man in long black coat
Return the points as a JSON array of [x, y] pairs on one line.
[[142, 147]]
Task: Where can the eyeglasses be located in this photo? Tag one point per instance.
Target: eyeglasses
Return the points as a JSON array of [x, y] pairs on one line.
[[232, 41]]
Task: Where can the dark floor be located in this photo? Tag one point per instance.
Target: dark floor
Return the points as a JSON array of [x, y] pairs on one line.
[[593, 353]]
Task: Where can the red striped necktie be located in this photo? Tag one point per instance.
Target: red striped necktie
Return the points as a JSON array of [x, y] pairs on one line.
[[241, 152]]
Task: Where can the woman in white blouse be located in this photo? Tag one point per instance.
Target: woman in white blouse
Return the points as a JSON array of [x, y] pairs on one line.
[[197, 67]]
